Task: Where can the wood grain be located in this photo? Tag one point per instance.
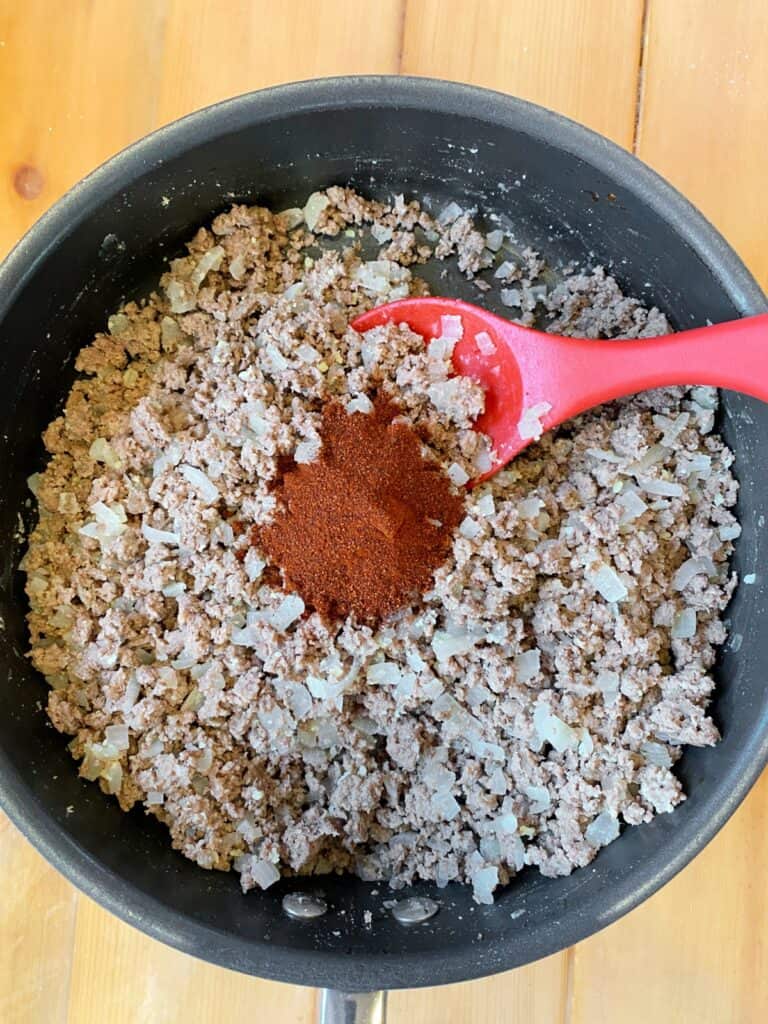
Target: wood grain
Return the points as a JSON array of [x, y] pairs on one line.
[[579, 57], [120, 976], [81, 79], [704, 115], [698, 950], [208, 57], [37, 921], [78, 81], [537, 994]]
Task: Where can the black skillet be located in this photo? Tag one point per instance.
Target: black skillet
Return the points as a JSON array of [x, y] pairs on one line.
[[570, 192]]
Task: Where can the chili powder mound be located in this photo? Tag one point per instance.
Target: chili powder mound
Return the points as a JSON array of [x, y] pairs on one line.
[[362, 529]]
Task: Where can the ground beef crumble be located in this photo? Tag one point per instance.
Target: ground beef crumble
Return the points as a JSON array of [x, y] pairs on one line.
[[535, 699]]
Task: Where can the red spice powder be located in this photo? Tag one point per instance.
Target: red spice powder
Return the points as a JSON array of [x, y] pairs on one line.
[[362, 529]]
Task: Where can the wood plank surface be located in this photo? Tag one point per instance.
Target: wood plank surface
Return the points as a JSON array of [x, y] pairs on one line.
[[695, 952], [82, 78], [703, 121], [208, 57], [698, 951], [37, 925], [579, 57], [120, 976], [78, 81]]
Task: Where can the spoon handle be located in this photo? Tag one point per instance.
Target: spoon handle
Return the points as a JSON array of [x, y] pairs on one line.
[[584, 373]]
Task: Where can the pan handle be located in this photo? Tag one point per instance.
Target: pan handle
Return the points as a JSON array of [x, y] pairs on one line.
[[352, 1007]]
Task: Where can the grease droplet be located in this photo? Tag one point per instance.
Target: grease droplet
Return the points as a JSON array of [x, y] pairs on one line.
[[28, 181]]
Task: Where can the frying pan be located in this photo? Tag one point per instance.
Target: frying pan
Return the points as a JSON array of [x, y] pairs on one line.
[[575, 196]]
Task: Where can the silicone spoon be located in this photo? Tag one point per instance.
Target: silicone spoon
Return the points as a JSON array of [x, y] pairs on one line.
[[534, 381]]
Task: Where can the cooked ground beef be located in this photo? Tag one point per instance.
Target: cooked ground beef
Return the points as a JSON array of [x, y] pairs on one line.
[[538, 694]]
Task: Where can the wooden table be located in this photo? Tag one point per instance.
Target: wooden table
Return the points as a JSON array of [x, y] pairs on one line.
[[684, 84]]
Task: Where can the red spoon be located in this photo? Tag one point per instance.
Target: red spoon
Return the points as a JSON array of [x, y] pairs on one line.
[[534, 381]]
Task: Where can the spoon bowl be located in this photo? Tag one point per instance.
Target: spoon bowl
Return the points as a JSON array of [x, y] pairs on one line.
[[535, 381]]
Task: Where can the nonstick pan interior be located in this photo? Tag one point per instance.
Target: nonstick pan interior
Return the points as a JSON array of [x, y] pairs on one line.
[[564, 189]]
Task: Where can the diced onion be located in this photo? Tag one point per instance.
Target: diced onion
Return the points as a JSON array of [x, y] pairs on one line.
[[689, 569], [506, 824], [698, 465], [586, 744], [327, 690], [539, 796], [386, 673], [706, 397], [118, 324], [529, 508], [632, 506], [451, 327], [248, 636], [505, 270], [485, 343], [264, 873], [237, 267], [554, 730], [470, 528], [482, 460], [298, 699], [307, 353], [109, 522], [494, 240], [484, 882], [530, 426], [656, 453], [159, 536], [287, 612], [439, 349], [607, 582], [656, 753], [511, 296], [527, 665], [477, 695], [253, 564], [449, 214], [210, 260], [606, 456], [314, 207], [295, 291], [671, 428], [307, 451], [290, 219], [457, 475], [117, 735], [381, 233], [608, 681], [447, 645], [444, 806], [664, 488], [603, 830], [102, 451], [205, 488], [275, 361], [684, 624], [445, 394], [485, 506], [436, 776], [360, 403]]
